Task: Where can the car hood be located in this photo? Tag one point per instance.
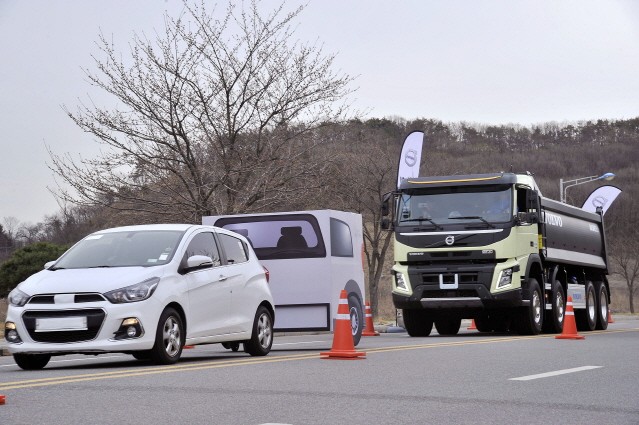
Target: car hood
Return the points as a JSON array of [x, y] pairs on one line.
[[87, 280]]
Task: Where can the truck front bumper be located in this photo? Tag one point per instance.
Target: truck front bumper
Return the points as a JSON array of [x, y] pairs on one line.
[[466, 296]]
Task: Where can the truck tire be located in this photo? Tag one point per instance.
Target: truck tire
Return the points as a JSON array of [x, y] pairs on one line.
[[586, 319], [417, 322], [492, 322], [554, 322], [529, 320], [483, 323], [602, 306], [448, 326]]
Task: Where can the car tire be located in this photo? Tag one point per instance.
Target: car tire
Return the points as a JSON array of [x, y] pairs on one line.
[[586, 319], [448, 326], [356, 315], [169, 338], [262, 335], [417, 322], [31, 361], [142, 355], [554, 322], [233, 346], [603, 310]]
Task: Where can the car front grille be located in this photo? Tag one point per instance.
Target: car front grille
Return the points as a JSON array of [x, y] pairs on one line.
[[77, 298], [95, 318]]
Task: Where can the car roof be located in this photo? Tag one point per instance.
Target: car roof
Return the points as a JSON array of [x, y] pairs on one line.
[[147, 227]]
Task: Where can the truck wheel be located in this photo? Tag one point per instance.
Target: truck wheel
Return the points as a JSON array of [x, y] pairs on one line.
[[483, 323], [602, 303], [530, 318], [586, 319], [447, 326], [554, 323], [417, 322], [357, 316]]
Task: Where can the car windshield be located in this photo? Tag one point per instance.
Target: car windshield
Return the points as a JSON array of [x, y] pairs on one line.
[[122, 249], [480, 206]]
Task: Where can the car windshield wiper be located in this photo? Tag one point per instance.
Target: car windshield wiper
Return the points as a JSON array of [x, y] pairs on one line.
[[422, 219], [99, 267], [56, 268], [473, 217]]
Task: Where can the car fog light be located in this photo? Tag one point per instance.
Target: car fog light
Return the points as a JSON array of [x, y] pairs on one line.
[[12, 336], [131, 331]]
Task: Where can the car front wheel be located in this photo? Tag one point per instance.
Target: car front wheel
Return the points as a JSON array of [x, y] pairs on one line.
[[31, 361], [169, 338]]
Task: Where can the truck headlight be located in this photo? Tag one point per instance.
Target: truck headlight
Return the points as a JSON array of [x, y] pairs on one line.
[[18, 298], [400, 282], [505, 278], [130, 294]]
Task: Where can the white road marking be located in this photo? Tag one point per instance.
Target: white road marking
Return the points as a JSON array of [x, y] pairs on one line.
[[555, 373]]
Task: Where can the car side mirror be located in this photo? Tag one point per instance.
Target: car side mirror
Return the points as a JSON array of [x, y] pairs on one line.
[[196, 262]]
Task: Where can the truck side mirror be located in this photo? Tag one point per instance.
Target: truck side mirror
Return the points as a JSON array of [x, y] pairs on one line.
[[385, 204], [385, 223], [532, 200]]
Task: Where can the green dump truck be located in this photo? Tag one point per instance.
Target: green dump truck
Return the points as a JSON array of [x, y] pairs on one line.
[[490, 247]]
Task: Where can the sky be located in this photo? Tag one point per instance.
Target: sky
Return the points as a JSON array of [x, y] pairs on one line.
[[485, 61]]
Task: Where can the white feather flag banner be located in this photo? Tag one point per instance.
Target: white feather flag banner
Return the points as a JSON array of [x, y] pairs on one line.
[[602, 197], [411, 157]]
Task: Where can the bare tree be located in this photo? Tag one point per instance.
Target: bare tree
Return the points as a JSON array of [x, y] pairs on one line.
[[365, 170], [215, 117], [626, 263]]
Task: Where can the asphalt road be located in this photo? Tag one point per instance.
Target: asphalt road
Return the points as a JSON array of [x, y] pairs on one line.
[[471, 378]]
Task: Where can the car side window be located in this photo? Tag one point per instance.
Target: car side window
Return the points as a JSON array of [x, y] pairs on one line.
[[203, 244], [234, 248]]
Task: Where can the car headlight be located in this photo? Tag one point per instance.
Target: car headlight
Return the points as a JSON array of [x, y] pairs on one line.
[[18, 298], [130, 294], [505, 279]]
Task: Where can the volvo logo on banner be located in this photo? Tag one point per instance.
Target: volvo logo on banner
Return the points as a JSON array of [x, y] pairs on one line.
[[411, 157], [601, 197]]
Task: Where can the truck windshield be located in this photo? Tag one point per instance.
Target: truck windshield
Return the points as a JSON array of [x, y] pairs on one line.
[[476, 205]]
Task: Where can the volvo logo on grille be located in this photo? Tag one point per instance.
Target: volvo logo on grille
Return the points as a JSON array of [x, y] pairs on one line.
[[449, 240]]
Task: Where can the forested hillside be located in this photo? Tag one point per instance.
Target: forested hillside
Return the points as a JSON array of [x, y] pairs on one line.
[[352, 164]]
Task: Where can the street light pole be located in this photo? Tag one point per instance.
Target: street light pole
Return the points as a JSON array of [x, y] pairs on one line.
[[565, 184]]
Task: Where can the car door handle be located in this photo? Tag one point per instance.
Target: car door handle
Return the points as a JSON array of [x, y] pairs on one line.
[[222, 278]]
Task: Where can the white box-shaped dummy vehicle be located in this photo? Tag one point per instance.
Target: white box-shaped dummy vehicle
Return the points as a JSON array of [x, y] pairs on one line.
[[311, 257]]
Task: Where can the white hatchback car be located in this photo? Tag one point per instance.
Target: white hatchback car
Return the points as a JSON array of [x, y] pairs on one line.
[[143, 290]]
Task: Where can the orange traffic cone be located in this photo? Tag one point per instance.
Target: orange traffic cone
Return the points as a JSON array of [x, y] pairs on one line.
[[343, 347], [570, 326], [610, 319], [2, 398], [369, 330], [472, 326]]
